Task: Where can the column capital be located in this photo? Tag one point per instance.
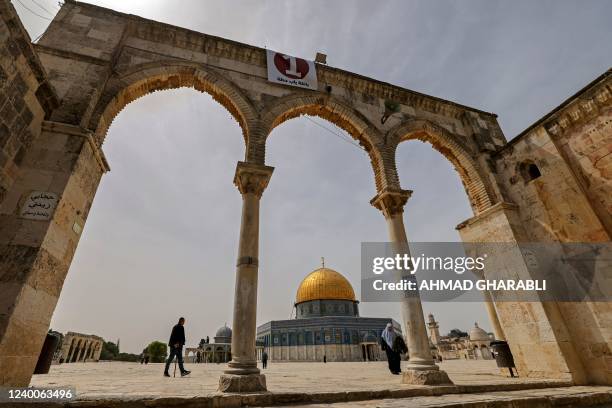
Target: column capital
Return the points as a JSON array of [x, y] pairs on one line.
[[391, 202], [252, 178]]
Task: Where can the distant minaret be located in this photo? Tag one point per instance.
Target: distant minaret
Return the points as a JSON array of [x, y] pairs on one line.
[[434, 329], [118, 340], [322, 262]]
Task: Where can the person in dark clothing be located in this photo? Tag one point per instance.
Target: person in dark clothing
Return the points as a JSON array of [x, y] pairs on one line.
[[176, 343], [264, 359], [393, 345]]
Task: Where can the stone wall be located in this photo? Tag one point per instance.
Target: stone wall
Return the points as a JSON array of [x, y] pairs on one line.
[[25, 96], [567, 199], [539, 342], [570, 202], [61, 172]]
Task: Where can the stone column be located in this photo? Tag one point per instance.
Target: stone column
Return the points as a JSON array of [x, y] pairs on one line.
[[86, 352], [75, 354], [79, 356], [64, 350], [242, 374], [91, 351], [71, 351], [493, 318], [421, 368], [98, 351], [83, 352]]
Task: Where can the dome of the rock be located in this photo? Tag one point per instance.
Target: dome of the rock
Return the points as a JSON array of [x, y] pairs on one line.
[[324, 284]]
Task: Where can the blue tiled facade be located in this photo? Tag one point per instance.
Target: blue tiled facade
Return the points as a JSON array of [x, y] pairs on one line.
[[322, 330]]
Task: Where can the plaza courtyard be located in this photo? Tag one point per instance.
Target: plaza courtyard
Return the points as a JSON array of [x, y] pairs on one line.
[[346, 383], [120, 380]]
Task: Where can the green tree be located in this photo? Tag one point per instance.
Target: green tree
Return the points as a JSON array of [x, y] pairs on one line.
[[128, 357], [158, 351], [457, 333], [109, 351]]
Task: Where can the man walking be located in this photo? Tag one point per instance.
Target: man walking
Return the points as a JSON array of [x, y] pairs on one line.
[[176, 343]]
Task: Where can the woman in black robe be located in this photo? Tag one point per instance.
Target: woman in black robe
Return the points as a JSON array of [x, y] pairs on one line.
[[393, 345]]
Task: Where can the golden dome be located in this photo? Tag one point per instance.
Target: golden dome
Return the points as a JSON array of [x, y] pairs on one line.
[[324, 283]]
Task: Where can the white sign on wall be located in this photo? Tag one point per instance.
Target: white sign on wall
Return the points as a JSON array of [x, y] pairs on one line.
[[39, 205], [293, 71]]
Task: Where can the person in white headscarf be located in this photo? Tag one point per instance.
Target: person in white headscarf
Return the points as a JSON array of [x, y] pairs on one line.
[[393, 345]]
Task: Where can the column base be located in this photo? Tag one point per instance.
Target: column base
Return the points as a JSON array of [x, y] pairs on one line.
[[425, 377], [242, 383], [241, 368]]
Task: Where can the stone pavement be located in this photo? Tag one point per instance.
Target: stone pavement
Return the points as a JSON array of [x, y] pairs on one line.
[[133, 380], [477, 384]]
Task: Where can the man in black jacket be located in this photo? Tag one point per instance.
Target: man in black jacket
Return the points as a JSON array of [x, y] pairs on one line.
[[176, 343]]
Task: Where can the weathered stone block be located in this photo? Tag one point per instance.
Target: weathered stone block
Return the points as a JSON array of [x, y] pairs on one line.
[[425, 377], [242, 383]]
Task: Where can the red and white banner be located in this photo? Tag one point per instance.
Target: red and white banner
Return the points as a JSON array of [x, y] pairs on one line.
[[288, 70]]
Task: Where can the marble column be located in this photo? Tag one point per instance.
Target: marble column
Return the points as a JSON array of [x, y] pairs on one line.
[[421, 368], [242, 374]]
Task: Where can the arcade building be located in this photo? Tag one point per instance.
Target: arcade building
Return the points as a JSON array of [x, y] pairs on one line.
[[326, 326]]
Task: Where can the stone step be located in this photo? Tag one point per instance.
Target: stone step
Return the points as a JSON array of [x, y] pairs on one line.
[[519, 395], [578, 396]]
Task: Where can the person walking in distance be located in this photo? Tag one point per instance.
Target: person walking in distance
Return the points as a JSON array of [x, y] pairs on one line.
[[176, 343], [264, 359]]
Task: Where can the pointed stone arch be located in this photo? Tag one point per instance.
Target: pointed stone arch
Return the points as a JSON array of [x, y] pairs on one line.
[[450, 146], [334, 111], [124, 88]]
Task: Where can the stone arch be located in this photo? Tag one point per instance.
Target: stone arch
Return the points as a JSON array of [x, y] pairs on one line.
[[333, 110], [144, 79], [474, 181]]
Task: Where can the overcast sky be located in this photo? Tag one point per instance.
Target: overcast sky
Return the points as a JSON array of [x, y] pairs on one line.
[[161, 239]]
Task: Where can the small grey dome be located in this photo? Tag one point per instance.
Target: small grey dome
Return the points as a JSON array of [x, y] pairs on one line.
[[478, 334], [224, 332]]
